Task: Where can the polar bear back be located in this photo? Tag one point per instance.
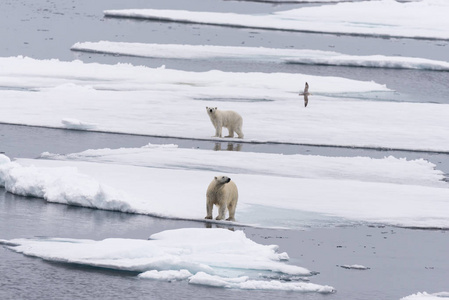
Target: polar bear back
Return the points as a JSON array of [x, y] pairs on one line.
[[229, 118]]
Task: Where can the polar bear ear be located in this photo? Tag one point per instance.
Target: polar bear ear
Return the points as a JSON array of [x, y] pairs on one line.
[[215, 177], [216, 108]]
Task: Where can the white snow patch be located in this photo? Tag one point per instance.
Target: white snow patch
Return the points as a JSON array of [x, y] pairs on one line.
[[385, 18], [300, 56], [213, 255]]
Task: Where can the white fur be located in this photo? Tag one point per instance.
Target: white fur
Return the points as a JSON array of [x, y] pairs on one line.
[[225, 118], [223, 193]]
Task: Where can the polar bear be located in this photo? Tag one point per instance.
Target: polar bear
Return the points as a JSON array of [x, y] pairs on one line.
[[225, 118], [223, 193]]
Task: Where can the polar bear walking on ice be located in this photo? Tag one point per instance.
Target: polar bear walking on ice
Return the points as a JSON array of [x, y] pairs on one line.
[[223, 193], [225, 118]]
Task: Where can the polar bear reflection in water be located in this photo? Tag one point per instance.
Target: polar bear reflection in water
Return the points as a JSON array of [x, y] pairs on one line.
[[228, 147], [223, 193], [225, 118]]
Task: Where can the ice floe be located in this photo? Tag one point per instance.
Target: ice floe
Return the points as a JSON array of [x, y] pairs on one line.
[[278, 195], [260, 54], [385, 170], [162, 102], [214, 257], [384, 18], [427, 296], [355, 267], [296, 1]]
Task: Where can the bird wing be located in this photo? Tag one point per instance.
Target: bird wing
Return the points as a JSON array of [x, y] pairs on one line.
[[306, 89], [306, 100]]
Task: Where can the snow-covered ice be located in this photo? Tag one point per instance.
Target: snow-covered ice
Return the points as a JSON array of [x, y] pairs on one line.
[[162, 102], [274, 190], [384, 18], [260, 54], [427, 296], [204, 256], [202, 278], [385, 170]]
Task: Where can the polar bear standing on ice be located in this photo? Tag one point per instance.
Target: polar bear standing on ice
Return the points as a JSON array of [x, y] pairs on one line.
[[225, 118], [223, 193]]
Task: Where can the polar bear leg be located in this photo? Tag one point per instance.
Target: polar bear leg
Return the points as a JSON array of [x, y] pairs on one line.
[[221, 212], [209, 207], [231, 209], [218, 130], [231, 132], [239, 132]]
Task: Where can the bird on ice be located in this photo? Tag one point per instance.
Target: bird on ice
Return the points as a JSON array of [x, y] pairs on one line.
[[306, 94]]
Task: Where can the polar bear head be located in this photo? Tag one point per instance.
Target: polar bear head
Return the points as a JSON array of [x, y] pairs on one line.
[[222, 179], [211, 110]]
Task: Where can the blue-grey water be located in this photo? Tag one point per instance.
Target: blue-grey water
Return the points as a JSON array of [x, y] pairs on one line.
[[402, 261]]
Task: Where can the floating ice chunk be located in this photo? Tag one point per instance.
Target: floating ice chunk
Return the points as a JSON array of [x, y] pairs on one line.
[[245, 283], [385, 18], [77, 124], [171, 103], [148, 189], [299, 56], [217, 257], [355, 267], [426, 296]]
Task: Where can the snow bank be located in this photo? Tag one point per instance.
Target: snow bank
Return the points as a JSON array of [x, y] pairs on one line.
[[176, 255], [385, 18], [386, 170], [426, 296], [299, 56], [60, 185], [162, 102], [265, 200]]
